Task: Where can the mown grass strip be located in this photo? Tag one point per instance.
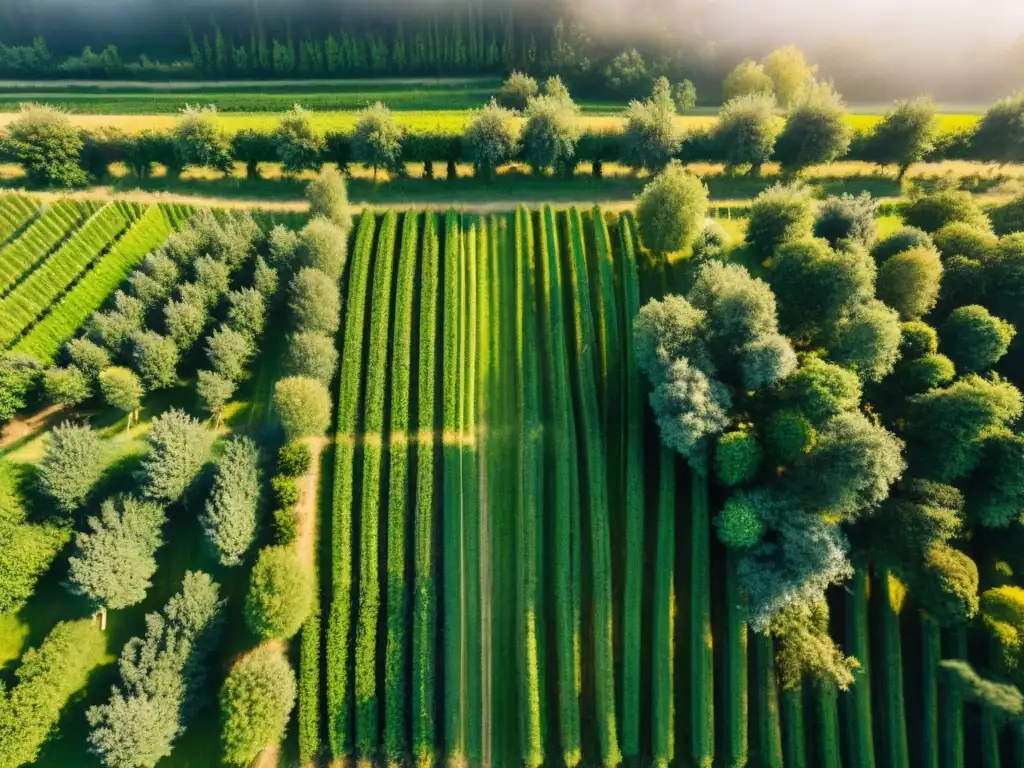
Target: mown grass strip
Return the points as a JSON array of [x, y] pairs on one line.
[[451, 520], [560, 500], [369, 524], [66, 316], [595, 472], [529, 477], [857, 721], [894, 709], [664, 614], [424, 589], [931, 655], [339, 630], [826, 713], [396, 656]]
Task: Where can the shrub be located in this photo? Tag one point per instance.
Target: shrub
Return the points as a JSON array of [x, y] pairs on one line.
[[747, 129], [490, 140], [19, 375], [328, 198], [231, 516], [280, 594], [867, 340], [739, 524], [917, 339], [777, 215], [909, 282], [42, 140], [847, 218], [671, 210], [747, 78], [820, 390], [255, 701], [294, 459], [816, 129], [932, 212], [199, 142], [377, 140], [286, 527], [974, 339], [959, 238], [299, 146], [1008, 217], [904, 239], [905, 135], [72, 464], [999, 137], [789, 435], [286, 490], [303, 407], [737, 458], [311, 355], [649, 140], [516, 91]]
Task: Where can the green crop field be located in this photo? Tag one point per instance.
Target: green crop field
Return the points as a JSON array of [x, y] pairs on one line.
[[519, 566]]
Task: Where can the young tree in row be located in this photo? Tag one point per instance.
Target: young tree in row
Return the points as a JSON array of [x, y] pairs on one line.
[[44, 142], [280, 594], [215, 392], [299, 147], [328, 198], [649, 138], [199, 142], [66, 387], [314, 301], [303, 407], [816, 129], [115, 561], [156, 359], [670, 211], [255, 702], [550, 133], [88, 357], [178, 449], [490, 140], [122, 390], [323, 245], [232, 513], [905, 135], [747, 129], [377, 140], [311, 355], [72, 465], [229, 352], [19, 376]]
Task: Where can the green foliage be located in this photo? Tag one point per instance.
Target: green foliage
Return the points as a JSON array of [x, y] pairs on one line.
[[286, 527], [121, 389], [162, 673], [789, 435], [1002, 614], [906, 134], [671, 209], [689, 406], [778, 215], [816, 129], [998, 487], [804, 648], [179, 447], [964, 238], [1001, 699], [998, 137], [328, 198], [1008, 217], [212, 278], [229, 353], [903, 239], [19, 375], [627, 72], [299, 146], [45, 143], [314, 301], [294, 459], [550, 134], [214, 391], [265, 279], [867, 339], [917, 339], [739, 524], [184, 321], [846, 217], [88, 357], [66, 387], [280, 594], [948, 585], [737, 458], [917, 375], [792, 77], [649, 140], [974, 339], [247, 312], [72, 464], [231, 516], [47, 679], [311, 355], [933, 212], [748, 77], [113, 564], [820, 390], [517, 91], [199, 142], [747, 129], [322, 245], [490, 140], [377, 140], [684, 95], [665, 330], [286, 490], [303, 407], [255, 701], [156, 359]]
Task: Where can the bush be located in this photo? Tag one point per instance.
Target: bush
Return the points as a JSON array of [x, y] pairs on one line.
[[917, 339], [255, 703], [517, 91], [377, 140], [299, 147], [280, 594], [1008, 217], [789, 435], [816, 130], [974, 339], [311, 355], [904, 239], [286, 527], [72, 464], [737, 458], [303, 407], [847, 218], [867, 340], [328, 198], [490, 140], [649, 140], [777, 215], [747, 128], [739, 524], [294, 459], [958, 238], [47, 146], [999, 137], [909, 282], [932, 212], [286, 490], [671, 210], [199, 142], [905, 135]]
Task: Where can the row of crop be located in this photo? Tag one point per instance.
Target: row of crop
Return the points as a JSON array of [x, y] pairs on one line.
[[396, 684], [370, 507], [47, 231], [48, 281], [561, 504], [424, 631], [339, 629], [15, 212], [451, 494], [595, 477], [66, 316]]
